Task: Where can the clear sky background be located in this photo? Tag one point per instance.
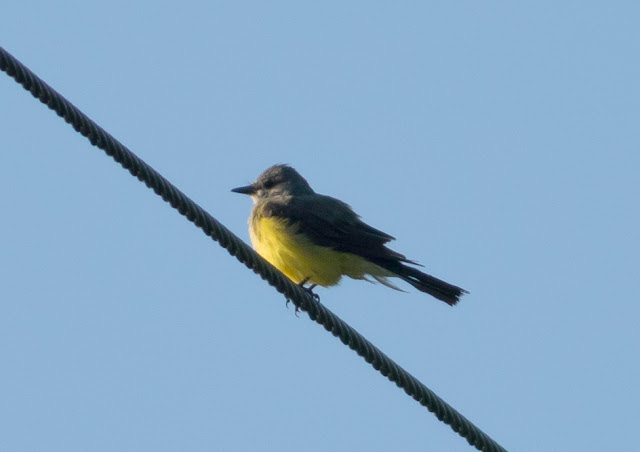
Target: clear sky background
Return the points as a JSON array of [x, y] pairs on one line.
[[498, 141]]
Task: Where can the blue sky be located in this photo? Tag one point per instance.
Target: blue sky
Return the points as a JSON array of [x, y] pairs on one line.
[[497, 141]]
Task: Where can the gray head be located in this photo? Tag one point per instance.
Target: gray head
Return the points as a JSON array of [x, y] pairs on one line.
[[279, 180]]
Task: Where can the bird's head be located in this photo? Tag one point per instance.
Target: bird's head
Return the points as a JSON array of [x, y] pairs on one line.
[[278, 180]]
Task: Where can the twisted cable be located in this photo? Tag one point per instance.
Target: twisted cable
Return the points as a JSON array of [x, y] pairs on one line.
[[236, 247]]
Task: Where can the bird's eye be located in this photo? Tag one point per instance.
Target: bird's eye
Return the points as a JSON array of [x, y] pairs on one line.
[[269, 183]]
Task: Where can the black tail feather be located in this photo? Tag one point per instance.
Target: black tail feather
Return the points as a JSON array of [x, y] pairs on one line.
[[435, 287], [438, 288]]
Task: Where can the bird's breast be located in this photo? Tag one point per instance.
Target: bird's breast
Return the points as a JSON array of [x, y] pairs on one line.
[[294, 254]]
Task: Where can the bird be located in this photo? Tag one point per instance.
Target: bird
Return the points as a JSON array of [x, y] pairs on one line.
[[317, 239]]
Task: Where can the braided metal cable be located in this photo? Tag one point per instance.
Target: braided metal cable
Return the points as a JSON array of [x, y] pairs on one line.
[[236, 247]]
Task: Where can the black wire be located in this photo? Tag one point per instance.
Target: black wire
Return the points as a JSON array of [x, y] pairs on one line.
[[236, 247]]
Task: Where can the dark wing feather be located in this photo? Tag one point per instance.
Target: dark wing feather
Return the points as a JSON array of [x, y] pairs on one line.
[[332, 223]]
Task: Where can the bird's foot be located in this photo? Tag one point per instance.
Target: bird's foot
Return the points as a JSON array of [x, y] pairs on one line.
[[309, 290]]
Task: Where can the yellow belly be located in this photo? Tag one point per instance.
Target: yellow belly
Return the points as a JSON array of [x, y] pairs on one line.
[[298, 258]]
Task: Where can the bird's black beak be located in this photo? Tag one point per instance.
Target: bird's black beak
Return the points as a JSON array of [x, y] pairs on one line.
[[247, 190]]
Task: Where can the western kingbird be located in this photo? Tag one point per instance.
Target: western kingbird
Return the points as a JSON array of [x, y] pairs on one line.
[[317, 239]]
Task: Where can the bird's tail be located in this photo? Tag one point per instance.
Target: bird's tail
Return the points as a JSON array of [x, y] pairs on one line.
[[438, 288], [435, 287]]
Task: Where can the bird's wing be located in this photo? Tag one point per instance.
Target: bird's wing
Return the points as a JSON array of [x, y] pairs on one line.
[[327, 221]]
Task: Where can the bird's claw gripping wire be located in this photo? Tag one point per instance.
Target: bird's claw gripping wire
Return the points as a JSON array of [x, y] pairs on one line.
[[309, 290]]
